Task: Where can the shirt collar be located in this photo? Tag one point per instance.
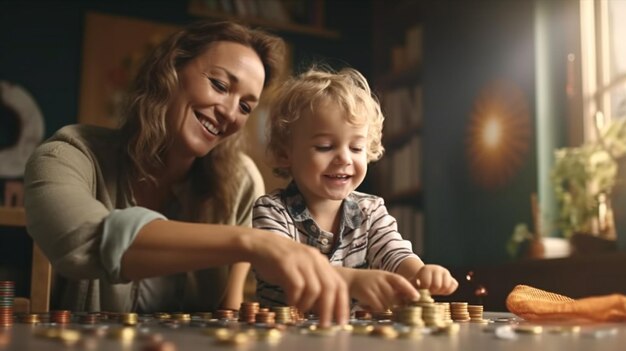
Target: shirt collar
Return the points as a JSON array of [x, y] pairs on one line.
[[351, 218]]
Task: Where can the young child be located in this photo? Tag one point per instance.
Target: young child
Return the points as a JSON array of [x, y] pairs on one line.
[[324, 128]]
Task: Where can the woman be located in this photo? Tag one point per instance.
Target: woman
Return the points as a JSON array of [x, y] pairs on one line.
[[134, 218]]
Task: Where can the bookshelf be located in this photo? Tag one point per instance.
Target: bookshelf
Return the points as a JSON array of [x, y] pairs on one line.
[[397, 81], [295, 16]]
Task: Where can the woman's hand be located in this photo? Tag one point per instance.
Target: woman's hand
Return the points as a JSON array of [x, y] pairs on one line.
[[306, 276], [378, 289]]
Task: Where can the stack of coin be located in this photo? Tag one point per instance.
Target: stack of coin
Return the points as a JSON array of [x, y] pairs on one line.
[[296, 315], [424, 300], [264, 316], [7, 292], [283, 314], [459, 311], [408, 315], [29, 318], [476, 314], [129, 319], [425, 296], [433, 315], [90, 318], [385, 315], [247, 312], [447, 316], [60, 316], [225, 314]]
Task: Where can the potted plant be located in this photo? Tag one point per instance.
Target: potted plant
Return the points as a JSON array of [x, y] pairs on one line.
[[584, 178]]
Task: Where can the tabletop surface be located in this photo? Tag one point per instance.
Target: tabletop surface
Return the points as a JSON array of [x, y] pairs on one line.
[[499, 334]]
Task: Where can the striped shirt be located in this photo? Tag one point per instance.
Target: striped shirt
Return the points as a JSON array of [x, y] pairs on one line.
[[368, 234]]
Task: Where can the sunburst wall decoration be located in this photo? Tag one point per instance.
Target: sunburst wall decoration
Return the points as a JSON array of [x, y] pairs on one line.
[[498, 135]]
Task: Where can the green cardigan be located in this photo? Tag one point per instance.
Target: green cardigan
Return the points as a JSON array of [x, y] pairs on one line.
[[81, 212]]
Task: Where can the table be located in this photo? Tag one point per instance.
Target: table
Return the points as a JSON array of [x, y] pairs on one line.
[[470, 337]]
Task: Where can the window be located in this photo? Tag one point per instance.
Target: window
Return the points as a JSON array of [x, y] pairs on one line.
[[603, 29]]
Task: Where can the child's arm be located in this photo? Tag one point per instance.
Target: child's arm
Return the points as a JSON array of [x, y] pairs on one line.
[[435, 278], [233, 296], [377, 289]]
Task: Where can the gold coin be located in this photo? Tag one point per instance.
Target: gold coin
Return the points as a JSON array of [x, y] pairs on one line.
[[529, 329]]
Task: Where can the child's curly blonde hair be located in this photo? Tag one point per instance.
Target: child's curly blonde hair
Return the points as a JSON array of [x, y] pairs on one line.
[[302, 94]]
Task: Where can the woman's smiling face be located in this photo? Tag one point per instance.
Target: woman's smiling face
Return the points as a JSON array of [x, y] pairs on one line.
[[217, 92]]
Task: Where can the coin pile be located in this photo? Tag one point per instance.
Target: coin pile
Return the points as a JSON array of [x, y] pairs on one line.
[[408, 315], [447, 316], [476, 313], [248, 311], [89, 318], [29, 318], [431, 313], [283, 314], [225, 314], [459, 311], [383, 316], [60, 316], [7, 292], [128, 319], [264, 316]]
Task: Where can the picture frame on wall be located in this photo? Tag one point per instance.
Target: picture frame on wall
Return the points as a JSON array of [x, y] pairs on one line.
[[113, 48]]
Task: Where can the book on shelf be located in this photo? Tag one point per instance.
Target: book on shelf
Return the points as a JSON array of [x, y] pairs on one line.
[[402, 107], [405, 167], [409, 53]]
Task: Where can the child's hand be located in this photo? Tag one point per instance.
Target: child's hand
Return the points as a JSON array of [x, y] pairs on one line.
[[436, 279], [378, 289]]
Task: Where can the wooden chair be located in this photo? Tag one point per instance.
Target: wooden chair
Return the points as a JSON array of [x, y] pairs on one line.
[[41, 270]]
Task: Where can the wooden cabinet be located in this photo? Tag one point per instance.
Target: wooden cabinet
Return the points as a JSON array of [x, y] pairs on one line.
[[397, 59]]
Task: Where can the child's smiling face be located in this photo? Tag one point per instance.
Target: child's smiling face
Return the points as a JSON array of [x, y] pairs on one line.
[[327, 155]]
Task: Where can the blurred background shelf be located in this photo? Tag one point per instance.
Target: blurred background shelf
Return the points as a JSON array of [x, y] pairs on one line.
[[201, 9], [12, 216]]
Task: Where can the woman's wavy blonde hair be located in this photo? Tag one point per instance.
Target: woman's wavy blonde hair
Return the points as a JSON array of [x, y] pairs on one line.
[[145, 128], [302, 94]]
